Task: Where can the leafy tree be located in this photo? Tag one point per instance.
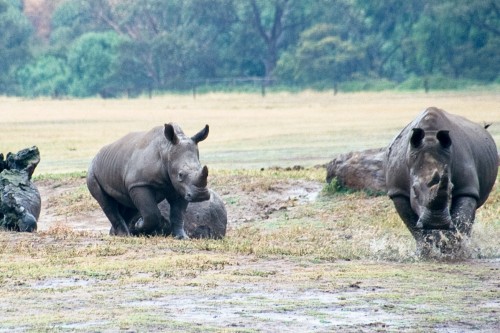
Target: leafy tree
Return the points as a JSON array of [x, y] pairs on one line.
[[111, 47], [322, 56], [69, 21], [45, 76], [14, 43], [464, 47], [387, 28], [93, 59], [179, 40], [266, 30]]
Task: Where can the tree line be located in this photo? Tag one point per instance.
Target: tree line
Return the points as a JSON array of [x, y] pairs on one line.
[[116, 48]]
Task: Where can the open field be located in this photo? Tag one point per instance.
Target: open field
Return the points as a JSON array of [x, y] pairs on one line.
[[296, 258], [246, 131]]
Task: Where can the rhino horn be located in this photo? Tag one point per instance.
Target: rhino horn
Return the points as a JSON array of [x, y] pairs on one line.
[[202, 177], [445, 180], [435, 179], [440, 192]]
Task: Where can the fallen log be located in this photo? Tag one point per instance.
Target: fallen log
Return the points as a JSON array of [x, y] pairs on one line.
[[20, 200], [358, 170]]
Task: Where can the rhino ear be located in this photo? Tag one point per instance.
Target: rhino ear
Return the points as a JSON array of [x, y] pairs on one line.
[[416, 137], [170, 134], [444, 138], [201, 135]]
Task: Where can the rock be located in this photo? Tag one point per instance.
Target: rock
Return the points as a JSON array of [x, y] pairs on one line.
[[204, 219], [359, 170], [20, 200]]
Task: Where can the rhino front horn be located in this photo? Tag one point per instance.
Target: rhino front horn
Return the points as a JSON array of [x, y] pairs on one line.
[[443, 183], [202, 177]]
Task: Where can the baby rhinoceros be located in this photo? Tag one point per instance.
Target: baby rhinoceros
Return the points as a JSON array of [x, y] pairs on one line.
[[135, 173], [439, 170], [203, 219]]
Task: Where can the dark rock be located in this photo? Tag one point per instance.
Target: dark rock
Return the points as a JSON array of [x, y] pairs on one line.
[[20, 200]]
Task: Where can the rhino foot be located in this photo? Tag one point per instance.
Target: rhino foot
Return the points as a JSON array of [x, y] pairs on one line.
[[119, 232], [180, 234], [444, 245]]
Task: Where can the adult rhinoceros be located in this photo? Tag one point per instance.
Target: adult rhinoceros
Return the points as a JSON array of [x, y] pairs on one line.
[[439, 170], [141, 169]]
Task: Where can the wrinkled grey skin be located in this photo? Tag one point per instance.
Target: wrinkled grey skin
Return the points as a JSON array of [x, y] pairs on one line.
[[204, 219], [141, 169], [207, 219], [439, 170]]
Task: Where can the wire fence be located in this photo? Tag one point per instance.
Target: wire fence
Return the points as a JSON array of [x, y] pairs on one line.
[[252, 83]]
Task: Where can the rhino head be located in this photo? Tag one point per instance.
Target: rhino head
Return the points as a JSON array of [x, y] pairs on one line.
[[431, 186], [184, 169]]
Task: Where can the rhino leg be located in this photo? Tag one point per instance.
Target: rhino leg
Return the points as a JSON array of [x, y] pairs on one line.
[[110, 207], [403, 207], [177, 212], [130, 216], [145, 201], [453, 242], [463, 212]]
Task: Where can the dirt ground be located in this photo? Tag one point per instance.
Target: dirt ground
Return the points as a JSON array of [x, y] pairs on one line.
[[243, 292], [253, 204]]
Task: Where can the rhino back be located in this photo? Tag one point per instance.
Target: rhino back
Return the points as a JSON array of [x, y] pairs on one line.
[[475, 159], [133, 160], [397, 173]]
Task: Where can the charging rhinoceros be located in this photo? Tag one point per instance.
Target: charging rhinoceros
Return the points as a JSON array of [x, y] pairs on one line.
[[141, 169], [439, 170]]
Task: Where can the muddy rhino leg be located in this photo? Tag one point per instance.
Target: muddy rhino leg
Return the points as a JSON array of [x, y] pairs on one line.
[[406, 213], [453, 242], [110, 207], [177, 211], [144, 200], [463, 213]]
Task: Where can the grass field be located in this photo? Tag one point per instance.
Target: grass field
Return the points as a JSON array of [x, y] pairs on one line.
[[293, 260], [246, 131]]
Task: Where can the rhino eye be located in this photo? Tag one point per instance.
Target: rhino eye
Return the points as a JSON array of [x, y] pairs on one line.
[[181, 176]]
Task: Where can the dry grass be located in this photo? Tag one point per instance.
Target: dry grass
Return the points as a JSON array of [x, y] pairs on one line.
[[73, 202], [246, 131], [344, 225]]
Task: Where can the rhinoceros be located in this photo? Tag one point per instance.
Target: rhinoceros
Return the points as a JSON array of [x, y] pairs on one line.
[[136, 172], [439, 170]]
